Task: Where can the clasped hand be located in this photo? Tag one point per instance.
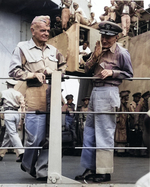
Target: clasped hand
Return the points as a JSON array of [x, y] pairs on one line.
[[105, 73], [40, 77]]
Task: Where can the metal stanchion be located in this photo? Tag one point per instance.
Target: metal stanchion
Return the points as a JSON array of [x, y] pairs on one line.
[[55, 137]]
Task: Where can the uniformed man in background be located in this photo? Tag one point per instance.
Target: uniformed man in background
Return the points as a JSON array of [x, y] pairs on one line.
[[12, 100]]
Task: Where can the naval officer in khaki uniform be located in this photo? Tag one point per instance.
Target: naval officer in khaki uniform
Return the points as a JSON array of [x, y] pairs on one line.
[[32, 61]]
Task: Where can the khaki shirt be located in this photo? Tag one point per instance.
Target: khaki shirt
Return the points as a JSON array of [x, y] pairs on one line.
[[13, 98], [28, 58]]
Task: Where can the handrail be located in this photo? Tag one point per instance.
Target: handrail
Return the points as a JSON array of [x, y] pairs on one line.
[[73, 112], [21, 148], [76, 77], [2, 148], [133, 78]]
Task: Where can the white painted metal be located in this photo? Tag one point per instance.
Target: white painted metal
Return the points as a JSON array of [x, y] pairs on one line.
[[67, 185], [140, 148], [54, 167], [55, 135]]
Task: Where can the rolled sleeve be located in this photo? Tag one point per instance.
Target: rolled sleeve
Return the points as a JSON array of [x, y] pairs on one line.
[[15, 68], [90, 63]]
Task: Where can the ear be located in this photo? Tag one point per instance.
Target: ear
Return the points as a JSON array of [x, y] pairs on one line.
[[32, 31], [117, 37]]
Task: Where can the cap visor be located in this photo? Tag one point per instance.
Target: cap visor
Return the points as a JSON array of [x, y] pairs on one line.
[[105, 32]]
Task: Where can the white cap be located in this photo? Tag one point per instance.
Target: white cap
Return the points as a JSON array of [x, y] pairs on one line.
[[12, 82]]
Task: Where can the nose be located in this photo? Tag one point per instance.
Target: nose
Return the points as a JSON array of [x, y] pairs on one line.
[[103, 39], [47, 32]]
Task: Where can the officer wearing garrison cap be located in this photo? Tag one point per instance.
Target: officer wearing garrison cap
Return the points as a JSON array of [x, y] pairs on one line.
[[111, 63], [32, 61], [68, 122], [82, 117], [69, 106]]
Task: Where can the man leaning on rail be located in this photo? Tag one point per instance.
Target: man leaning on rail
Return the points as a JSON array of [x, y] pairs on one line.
[[111, 63], [32, 61]]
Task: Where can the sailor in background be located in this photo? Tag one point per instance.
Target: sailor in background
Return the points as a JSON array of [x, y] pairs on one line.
[[12, 100]]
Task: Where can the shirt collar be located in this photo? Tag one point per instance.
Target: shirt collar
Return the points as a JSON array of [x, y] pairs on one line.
[[112, 48], [33, 45]]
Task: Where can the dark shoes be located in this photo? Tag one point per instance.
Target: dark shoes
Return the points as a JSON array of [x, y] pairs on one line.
[[19, 159], [91, 175], [101, 178], [42, 179], [87, 175], [1, 158]]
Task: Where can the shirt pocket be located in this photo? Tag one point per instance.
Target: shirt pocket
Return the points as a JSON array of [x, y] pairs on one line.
[[36, 64], [51, 63], [53, 58]]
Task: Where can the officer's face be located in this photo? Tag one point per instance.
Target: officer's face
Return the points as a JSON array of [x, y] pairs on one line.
[[40, 32], [69, 101], [127, 98], [57, 19], [86, 102], [108, 41], [137, 99]]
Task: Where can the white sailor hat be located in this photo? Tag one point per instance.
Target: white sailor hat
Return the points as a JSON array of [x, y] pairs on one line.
[[11, 81]]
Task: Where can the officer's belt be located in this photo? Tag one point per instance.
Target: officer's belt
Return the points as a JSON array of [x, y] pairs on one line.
[[100, 84], [10, 108]]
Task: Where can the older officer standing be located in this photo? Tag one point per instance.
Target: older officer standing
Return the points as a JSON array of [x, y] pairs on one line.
[[31, 61], [111, 64]]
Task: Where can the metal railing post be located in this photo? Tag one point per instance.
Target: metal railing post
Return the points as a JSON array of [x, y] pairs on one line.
[[55, 135], [55, 143]]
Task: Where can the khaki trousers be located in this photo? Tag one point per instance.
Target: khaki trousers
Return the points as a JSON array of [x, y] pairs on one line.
[[80, 19], [3, 152], [125, 20], [113, 16], [65, 17]]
